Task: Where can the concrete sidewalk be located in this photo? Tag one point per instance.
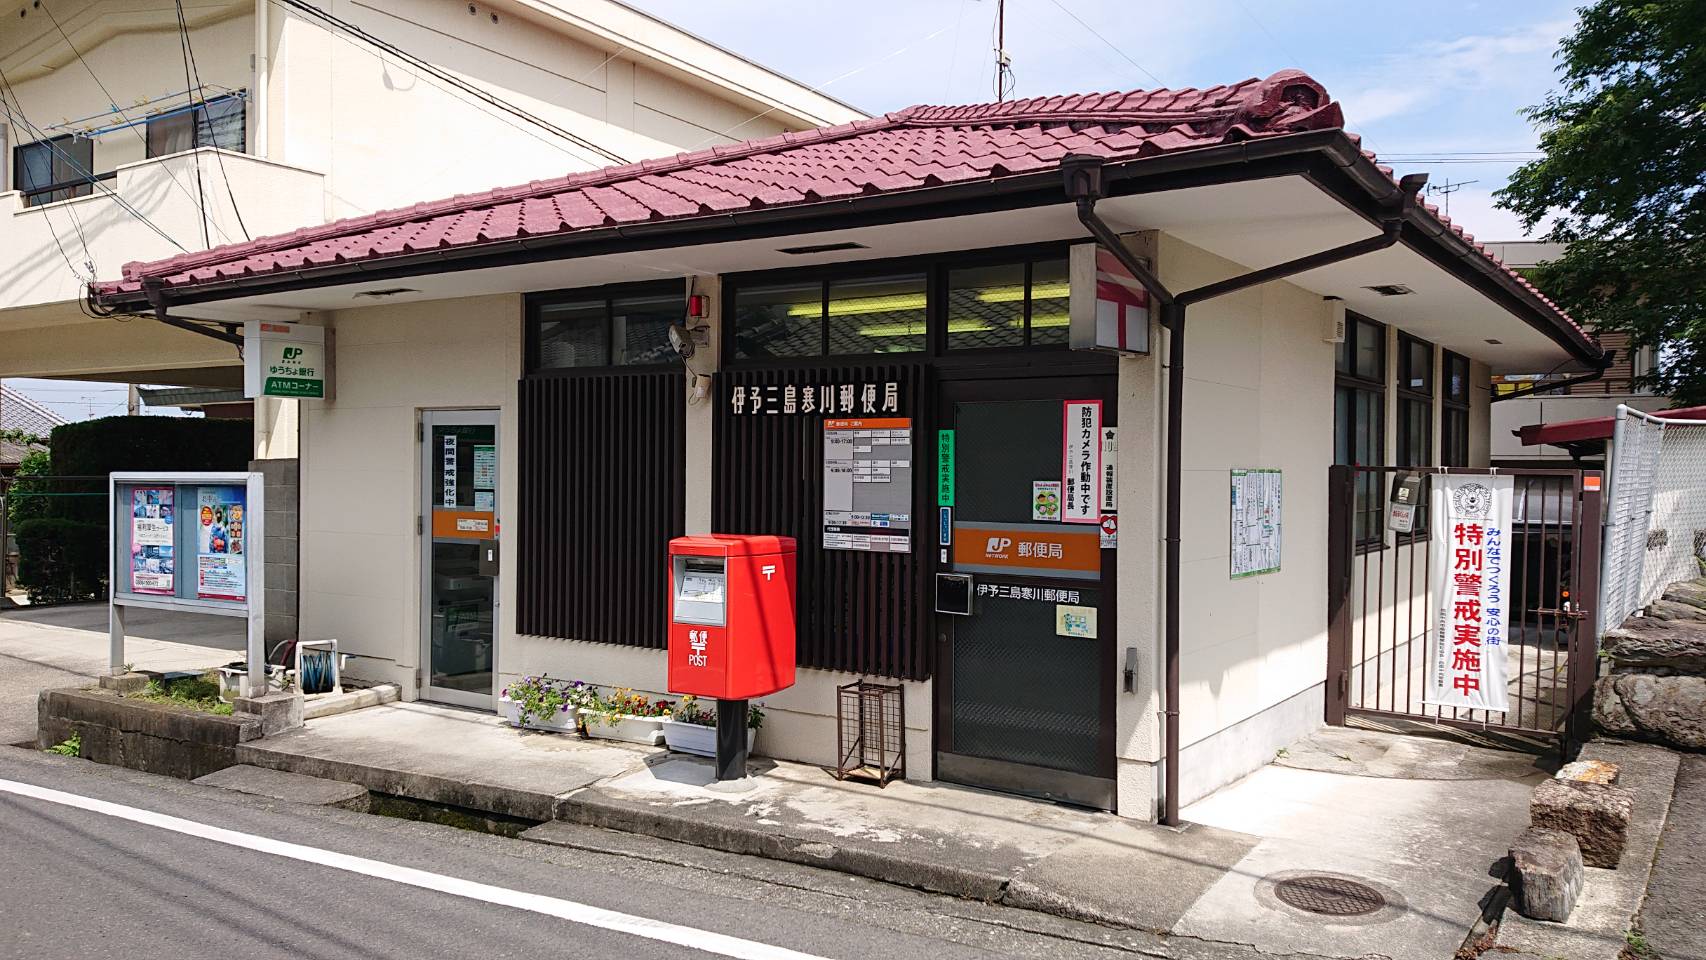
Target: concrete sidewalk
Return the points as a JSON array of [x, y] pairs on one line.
[[1392, 818]]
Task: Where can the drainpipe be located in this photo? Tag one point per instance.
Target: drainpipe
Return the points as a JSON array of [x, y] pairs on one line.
[[1084, 183], [263, 75]]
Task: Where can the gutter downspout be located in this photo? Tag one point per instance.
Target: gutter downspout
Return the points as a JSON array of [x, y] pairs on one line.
[[157, 298], [263, 75], [1083, 175]]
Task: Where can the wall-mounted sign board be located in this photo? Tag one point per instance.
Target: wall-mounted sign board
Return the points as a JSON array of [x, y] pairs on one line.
[[1110, 308], [867, 484], [1257, 497], [286, 360]]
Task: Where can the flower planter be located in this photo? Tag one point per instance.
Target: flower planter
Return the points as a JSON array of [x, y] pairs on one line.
[[698, 740], [628, 729], [561, 722]]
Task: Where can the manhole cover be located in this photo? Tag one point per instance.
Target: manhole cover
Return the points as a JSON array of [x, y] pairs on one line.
[[1332, 896]]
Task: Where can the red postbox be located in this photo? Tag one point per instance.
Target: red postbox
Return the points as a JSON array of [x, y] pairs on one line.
[[731, 616]]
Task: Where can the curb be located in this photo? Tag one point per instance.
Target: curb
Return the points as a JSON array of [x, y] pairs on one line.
[[934, 877]]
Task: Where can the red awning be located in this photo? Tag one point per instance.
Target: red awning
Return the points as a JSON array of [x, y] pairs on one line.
[[1594, 428]]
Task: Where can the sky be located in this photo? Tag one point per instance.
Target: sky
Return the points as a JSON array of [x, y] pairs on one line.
[[1448, 78]]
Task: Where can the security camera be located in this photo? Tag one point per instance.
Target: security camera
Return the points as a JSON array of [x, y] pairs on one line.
[[686, 341]]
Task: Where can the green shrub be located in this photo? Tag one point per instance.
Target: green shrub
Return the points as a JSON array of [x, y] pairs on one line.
[[22, 496], [95, 448], [62, 561]]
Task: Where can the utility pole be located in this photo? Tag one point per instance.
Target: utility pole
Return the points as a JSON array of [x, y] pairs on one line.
[[1444, 190], [1003, 65], [132, 401]]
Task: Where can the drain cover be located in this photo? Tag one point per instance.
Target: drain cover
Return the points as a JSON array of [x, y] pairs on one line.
[[1332, 896]]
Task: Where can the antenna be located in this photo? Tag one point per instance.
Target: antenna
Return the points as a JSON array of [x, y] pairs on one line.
[[1445, 190], [1003, 63]]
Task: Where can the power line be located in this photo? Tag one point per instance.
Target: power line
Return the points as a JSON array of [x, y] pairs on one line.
[[218, 154], [195, 161], [1141, 68], [113, 103], [455, 81]]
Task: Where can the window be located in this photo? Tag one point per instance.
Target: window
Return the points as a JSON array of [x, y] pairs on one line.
[[56, 169], [1359, 420], [216, 123], [579, 330], [1008, 305], [1416, 417], [1454, 412], [881, 314]]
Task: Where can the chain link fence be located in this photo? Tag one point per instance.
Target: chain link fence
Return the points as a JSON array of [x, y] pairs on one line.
[[1655, 530]]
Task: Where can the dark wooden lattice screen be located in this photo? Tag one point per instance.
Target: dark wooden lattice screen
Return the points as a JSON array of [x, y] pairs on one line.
[[601, 493], [861, 612]]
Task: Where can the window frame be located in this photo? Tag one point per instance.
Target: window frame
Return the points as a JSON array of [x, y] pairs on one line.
[[1346, 378], [194, 112], [534, 305], [936, 269], [1454, 411], [1409, 398], [87, 183]]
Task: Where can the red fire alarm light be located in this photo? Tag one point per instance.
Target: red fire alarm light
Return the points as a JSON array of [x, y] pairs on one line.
[[697, 306]]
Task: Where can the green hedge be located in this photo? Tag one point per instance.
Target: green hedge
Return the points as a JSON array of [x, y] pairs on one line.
[[95, 448], [62, 561]]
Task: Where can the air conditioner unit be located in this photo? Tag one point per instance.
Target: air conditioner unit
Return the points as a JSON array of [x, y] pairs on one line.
[[1333, 325]]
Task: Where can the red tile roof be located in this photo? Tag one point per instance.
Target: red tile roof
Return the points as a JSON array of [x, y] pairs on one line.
[[1594, 428], [919, 147]]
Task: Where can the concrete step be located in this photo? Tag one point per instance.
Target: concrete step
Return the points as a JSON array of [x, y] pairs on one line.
[[294, 787], [334, 704]]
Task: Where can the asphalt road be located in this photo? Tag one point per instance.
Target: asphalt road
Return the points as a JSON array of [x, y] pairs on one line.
[[87, 883]]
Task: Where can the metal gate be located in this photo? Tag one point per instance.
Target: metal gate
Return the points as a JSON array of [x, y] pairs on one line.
[[1379, 607]]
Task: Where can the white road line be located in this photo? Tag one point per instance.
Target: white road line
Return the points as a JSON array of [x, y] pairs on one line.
[[568, 910]]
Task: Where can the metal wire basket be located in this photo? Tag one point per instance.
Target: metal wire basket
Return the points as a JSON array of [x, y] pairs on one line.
[[870, 722]]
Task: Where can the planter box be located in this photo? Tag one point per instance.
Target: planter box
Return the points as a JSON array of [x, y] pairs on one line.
[[646, 730], [562, 722], [695, 739]]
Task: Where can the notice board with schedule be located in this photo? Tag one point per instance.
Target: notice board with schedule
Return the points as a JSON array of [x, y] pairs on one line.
[[867, 484]]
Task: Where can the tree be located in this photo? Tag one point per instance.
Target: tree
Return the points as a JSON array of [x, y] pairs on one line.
[[1624, 176]]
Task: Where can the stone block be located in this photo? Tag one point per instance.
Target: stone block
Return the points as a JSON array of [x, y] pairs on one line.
[[1648, 642], [123, 683], [1595, 814], [1589, 771], [1662, 609], [277, 712], [1690, 592], [1546, 874]]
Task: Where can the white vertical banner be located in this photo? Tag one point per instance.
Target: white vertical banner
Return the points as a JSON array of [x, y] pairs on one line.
[[1469, 543], [1081, 462]]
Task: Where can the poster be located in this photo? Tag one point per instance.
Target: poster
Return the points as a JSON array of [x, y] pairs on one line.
[[447, 472], [867, 484], [485, 466], [1081, 462], [221, 564], [1469, 587], [152, 521], [1045, 499], [1257, 499]]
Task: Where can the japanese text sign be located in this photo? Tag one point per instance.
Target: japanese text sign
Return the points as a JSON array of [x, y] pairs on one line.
[[1470, 594], [1081, 462], [284, 360]]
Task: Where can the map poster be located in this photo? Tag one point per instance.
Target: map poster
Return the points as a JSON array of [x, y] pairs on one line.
[[151, 526], [1257, 496], [221, 563]]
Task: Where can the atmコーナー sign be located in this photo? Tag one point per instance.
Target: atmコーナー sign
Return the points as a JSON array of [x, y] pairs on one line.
[[284, 360]]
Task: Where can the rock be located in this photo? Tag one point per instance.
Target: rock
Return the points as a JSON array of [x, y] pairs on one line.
[[1546, 874], [1588, 771], [1690, 592], [1595, 814], [1669, 710], [1645, 642], [1671, 610], [1609, 714]]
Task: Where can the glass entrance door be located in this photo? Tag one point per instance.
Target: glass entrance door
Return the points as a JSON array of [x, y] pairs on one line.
[[1025, 699], [459, 526]]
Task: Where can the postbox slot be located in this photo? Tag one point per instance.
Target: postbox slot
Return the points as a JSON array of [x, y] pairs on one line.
[[701, 590]]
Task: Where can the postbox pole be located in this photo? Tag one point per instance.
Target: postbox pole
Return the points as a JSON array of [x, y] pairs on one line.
[[731, 739]]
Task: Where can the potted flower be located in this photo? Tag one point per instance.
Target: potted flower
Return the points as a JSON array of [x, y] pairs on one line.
[[541, 703], [692, 728], [625, 715]]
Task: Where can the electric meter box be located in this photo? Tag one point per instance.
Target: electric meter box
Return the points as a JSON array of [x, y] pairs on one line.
[[731, 616]]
